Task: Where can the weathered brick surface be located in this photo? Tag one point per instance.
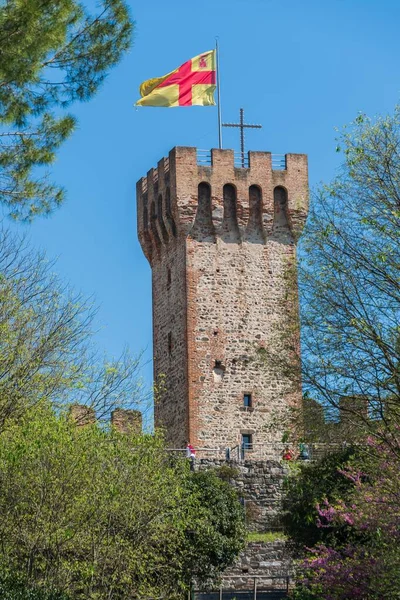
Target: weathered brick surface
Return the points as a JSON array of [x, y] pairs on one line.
[[82, 414], [218, 260], [127, 421]]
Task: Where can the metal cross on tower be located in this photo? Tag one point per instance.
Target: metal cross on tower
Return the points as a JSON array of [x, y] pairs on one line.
[[242, 125]]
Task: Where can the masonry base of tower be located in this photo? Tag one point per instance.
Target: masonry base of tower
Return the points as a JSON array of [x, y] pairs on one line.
[[221, 242]]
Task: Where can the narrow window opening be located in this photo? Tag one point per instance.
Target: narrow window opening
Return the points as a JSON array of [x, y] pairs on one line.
[[169, 343], [153, 216], [247, 401], [168, 211], [218, 371], [254, 228], [247, 441], [203, 228], [168, 276], [230, 222], [164, 231], [153, 212], [280, 208]]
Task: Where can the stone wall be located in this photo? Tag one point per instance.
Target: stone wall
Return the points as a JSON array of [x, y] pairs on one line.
[[220, 241], [127, 421], [164, 247], [123, 420], [82, 415], [260, 483], [169, 343], [270, 562]]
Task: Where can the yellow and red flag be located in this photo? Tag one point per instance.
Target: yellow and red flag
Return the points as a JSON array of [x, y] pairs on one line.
[[192, 84]]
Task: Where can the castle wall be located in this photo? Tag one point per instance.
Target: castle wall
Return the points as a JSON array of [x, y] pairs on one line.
[[164, 245], [260, 484], [220, 241], [170, 346], [270, 562], [236, 304]]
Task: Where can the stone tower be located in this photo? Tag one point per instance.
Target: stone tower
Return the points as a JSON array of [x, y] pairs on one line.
[[220, 241]]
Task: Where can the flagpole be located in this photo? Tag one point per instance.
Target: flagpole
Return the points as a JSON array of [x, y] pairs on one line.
[[218, 96]]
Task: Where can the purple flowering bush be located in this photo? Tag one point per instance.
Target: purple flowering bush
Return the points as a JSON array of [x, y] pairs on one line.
[[368, 565]]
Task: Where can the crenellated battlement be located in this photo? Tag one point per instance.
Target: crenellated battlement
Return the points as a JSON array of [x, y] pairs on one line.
[[123, 420], [220, 234], [205, 195]]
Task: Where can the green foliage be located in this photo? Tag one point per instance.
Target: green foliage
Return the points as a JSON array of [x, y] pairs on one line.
[[217, 534], [309, 486], [350, 281], [226, 472], [366, 564], [350, 290], [14, 588], [97, 514], [52, 53], [87, 511], [268, 536], [45, 342], [302, 593]]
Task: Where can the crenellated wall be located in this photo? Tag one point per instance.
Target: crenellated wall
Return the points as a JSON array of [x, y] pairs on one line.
[[123, 420], [167, 196], [220, 240]]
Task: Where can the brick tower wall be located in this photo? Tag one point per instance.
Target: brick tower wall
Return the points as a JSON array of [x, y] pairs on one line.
[[219, 240], [164, 246]]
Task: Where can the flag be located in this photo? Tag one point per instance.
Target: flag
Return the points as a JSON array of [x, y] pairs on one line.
[[191, 84]]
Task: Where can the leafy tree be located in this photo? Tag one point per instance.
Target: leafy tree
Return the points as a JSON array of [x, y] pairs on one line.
[[349, 285], [350, 280], [311, 485], [367, 565], [92, 513], [52, 54], [219, 532], [13, 588], [46, 350]]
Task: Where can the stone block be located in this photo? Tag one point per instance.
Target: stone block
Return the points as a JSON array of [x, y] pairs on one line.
[[82, 414], [127, 421]]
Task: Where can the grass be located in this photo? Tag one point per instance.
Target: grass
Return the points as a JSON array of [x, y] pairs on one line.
[[268, 536]]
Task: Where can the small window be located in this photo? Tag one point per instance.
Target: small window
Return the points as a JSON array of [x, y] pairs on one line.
[[247, 441], [169, 343], [247, 403], [218, 371], [168, 276]]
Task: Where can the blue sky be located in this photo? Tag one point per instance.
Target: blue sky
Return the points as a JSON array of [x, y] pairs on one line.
[[299, 68]]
